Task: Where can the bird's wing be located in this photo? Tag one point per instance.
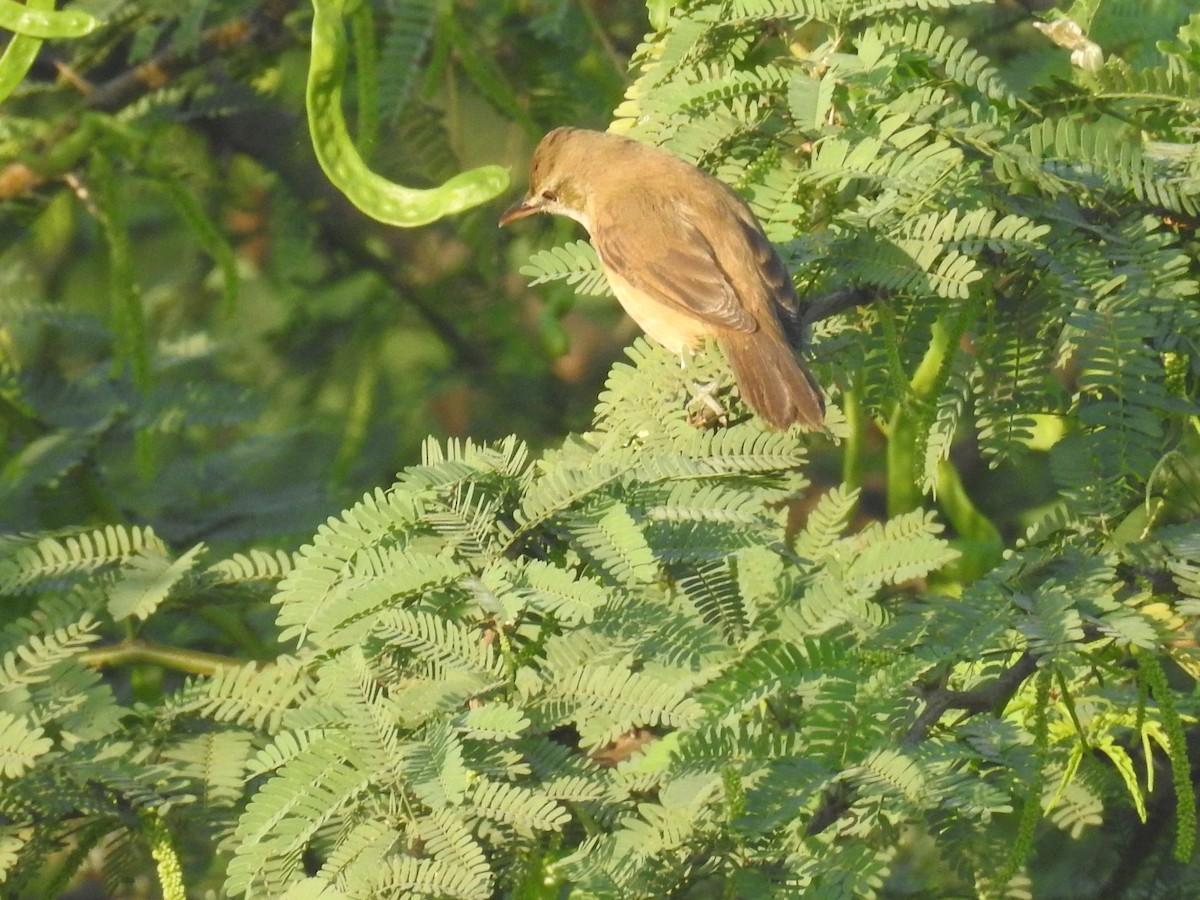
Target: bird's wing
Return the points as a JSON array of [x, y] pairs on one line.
[[676, 266], [774, 276]]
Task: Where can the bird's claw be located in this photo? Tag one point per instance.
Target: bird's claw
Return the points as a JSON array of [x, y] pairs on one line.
[[705, 410]]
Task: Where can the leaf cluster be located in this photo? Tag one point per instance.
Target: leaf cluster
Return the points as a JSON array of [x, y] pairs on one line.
[[673, 656]]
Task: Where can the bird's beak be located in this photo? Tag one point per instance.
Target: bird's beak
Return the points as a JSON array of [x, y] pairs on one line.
[[519, 210]]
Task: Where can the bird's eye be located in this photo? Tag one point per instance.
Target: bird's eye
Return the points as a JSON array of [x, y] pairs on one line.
[[552, 196]]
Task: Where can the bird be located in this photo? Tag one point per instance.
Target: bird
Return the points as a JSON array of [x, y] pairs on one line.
[[685, 257]]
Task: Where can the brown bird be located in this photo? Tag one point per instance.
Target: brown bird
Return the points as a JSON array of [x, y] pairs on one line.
[[685, 257]]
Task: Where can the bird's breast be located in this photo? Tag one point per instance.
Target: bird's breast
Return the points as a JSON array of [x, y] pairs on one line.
[[675, 329]]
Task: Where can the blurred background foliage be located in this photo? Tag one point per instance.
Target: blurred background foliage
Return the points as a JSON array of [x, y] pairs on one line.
[[201, 334]]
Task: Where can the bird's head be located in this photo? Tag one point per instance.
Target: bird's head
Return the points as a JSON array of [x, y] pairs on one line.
[[567, 165]]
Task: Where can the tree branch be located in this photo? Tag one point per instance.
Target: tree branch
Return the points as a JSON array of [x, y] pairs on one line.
[[833, 303], [262, 25], [937, 702], [990, 696], [136, 651]]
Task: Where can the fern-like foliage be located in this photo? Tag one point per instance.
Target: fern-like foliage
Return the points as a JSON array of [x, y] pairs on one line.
[[919, 175], [670, 656], [80, 771], [486, 637], [576, 264], [1035, 252], [407, 33]]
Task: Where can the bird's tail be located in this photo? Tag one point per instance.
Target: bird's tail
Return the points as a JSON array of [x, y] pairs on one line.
[[772, 382]]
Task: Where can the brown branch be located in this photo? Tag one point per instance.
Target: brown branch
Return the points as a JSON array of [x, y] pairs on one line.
[[261, 26], [990, 696], [938, 701], [835, 302]]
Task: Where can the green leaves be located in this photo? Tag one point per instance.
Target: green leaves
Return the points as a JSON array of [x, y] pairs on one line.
[[669, 656], [22, 744], [147, 580], [468, 667], [575, 263], [29, 561]]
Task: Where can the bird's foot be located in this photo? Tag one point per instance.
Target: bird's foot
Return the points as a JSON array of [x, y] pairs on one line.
[[704, 409]]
